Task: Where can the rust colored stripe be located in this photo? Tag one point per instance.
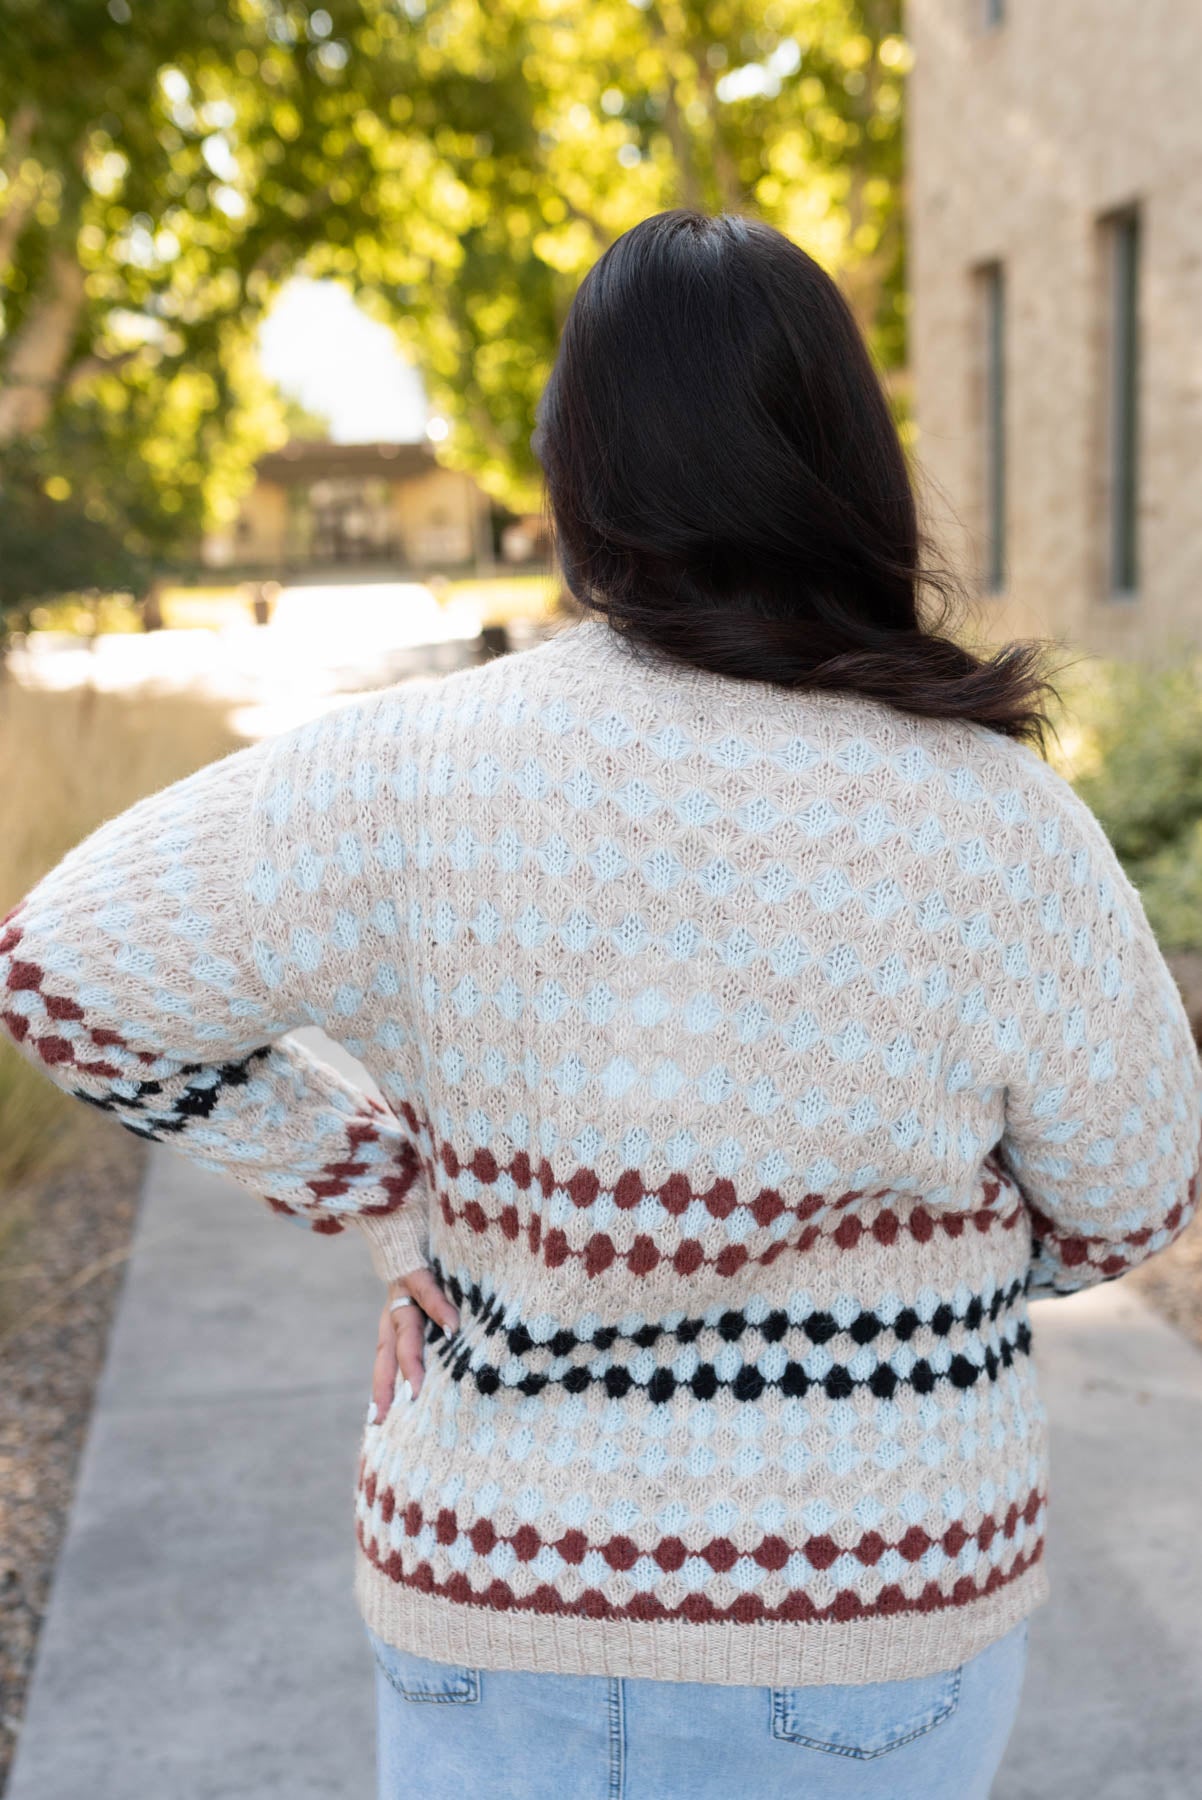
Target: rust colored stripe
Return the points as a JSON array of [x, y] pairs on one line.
[[773, 1552], [747, 1609]]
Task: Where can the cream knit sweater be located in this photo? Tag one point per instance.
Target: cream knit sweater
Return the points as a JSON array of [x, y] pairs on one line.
[[751, 1057]]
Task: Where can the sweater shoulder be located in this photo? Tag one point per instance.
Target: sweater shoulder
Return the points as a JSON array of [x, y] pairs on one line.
[[1050, 843], [1058, 816]]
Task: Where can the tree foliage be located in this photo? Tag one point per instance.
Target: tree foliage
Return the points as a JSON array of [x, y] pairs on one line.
[[163, 169]]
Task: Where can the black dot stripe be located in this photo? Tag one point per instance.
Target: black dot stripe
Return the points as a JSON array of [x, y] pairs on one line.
[[749, 1382]]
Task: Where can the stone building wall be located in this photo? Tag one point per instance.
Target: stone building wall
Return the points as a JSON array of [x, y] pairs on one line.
[[1020, 137]]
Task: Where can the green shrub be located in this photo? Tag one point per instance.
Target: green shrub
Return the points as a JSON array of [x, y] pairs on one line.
[[1135, 737]]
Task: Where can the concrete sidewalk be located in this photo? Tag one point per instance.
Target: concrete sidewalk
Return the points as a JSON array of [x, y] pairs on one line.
[[202, 1642], [1111, 1708]]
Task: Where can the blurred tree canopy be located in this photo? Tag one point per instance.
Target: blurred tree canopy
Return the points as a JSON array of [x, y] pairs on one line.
[[163, 169]]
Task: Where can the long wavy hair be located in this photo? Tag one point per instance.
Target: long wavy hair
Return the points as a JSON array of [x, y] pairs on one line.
[[725, 483]]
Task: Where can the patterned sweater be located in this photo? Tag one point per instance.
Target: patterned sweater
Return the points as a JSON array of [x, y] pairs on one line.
[[751, 1058]]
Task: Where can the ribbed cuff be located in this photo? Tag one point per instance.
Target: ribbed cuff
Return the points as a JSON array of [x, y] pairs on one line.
[[397, 1241]]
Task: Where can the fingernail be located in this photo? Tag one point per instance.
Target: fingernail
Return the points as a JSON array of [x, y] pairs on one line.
[[372, 1414]]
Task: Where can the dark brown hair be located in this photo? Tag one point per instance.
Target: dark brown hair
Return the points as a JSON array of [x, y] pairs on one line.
[[725, 480]]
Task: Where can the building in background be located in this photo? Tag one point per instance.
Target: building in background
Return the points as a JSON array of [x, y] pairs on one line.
[[1055, 257], [320, 508]]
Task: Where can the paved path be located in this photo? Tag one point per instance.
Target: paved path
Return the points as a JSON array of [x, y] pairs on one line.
[[202, 1642], [1111, 1703]]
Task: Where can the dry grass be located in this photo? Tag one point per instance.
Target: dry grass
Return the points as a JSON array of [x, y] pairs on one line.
[[69, 762], [69, 1179]]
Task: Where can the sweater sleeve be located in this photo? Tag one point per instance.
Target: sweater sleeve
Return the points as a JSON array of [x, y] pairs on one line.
[[142, 975], [1103, 1102]]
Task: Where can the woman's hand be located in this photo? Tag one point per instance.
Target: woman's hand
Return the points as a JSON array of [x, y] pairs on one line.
[[401, 1335]]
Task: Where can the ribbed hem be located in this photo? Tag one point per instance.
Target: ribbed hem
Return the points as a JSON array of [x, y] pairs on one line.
[[396, 1241], [801, 1654]]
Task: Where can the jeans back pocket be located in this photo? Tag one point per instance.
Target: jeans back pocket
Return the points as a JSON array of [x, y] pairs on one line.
[[419, 1678], [864, 1720]]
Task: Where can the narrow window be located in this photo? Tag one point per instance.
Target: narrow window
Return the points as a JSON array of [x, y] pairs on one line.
[[991, 317], [1121, 234]]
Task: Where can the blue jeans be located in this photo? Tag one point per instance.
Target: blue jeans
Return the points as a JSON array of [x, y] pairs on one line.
[[444, 1730]]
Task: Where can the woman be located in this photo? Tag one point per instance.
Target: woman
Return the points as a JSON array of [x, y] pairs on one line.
[[761, 1023]]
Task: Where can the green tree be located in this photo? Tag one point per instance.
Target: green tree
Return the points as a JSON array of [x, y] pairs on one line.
[[541, 134], [132, 271], [163, 169]]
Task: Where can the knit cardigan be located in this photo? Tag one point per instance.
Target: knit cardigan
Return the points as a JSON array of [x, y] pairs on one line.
[[751, 1057]]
